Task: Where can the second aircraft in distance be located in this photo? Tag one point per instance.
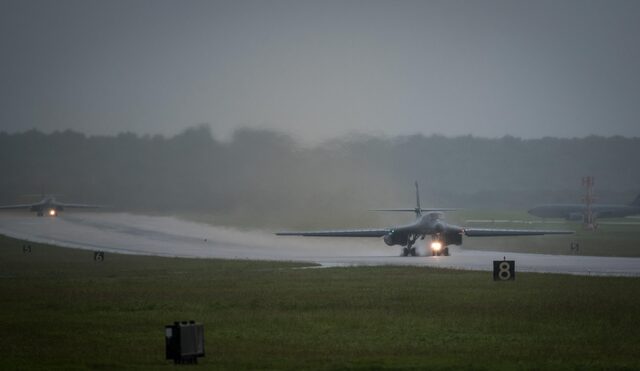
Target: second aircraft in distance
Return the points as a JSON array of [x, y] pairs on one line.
[[49, 206]]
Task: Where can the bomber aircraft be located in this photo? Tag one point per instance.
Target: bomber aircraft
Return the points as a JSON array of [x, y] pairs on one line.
[[49, 206], [579, 211], [431, 223]]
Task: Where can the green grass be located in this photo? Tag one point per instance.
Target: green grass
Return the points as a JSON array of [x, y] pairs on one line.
[[62, 310]]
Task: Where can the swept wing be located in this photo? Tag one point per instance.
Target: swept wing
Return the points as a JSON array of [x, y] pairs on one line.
[[79, 206], [339, 233], [21, 206], [490, 232], [469, 232]]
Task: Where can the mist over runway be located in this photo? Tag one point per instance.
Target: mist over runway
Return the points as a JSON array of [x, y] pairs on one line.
[[172, 237]]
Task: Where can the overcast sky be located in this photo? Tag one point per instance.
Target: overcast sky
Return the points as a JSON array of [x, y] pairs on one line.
[[320, 69]]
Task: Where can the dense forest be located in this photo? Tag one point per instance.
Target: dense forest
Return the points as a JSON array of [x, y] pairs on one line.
[[268, 175]]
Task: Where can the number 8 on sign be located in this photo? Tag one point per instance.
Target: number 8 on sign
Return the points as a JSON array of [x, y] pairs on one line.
[[504, 270]]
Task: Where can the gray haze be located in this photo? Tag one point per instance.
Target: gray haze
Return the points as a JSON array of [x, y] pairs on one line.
[[322, 69], [265, 178]]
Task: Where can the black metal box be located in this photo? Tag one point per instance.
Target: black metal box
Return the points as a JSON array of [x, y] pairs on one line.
[[184, 341]]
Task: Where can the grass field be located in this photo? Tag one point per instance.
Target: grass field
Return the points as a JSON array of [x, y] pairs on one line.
[[62, 310]]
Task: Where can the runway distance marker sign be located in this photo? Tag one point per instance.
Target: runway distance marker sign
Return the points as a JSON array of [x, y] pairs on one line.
[[504, 270]]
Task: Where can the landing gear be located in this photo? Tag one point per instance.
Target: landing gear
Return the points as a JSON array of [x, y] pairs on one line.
[[40, 213], [410, 250], [444, 252]]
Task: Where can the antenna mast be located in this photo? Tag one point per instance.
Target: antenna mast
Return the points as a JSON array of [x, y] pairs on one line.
[[589, 221]]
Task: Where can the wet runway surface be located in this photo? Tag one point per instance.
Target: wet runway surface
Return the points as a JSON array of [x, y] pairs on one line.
[[168, 236]]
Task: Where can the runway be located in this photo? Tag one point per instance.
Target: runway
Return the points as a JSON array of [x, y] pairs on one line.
[[168, 236]]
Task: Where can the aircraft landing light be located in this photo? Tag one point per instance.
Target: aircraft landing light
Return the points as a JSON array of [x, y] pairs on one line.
[[436, 246]]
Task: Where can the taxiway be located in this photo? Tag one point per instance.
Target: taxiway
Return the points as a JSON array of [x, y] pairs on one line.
[[168, 236]]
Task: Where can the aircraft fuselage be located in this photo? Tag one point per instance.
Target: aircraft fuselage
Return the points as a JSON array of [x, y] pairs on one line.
[[429, 224], [48, 207]]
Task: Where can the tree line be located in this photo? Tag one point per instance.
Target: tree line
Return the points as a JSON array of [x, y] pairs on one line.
[[269, 176]]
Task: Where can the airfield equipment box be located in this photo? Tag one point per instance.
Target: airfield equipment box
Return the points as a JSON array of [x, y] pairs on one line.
[[184, 342]]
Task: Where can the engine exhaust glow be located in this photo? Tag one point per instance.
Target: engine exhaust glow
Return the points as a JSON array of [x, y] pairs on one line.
[[436, 246], [52, 212]]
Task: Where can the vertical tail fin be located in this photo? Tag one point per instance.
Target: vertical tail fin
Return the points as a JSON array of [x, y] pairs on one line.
[[418, 209]]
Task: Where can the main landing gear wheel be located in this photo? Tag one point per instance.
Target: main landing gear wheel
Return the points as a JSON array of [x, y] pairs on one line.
[[409, 251], [443, 252]]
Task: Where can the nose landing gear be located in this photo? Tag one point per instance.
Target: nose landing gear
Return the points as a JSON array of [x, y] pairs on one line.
[[437, 248]]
